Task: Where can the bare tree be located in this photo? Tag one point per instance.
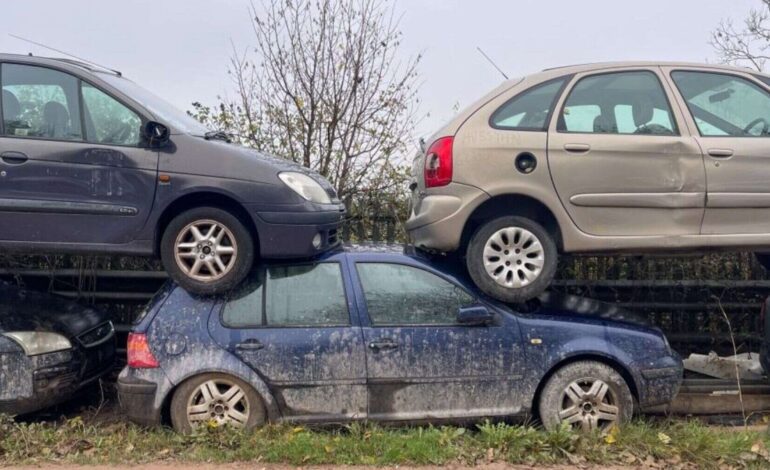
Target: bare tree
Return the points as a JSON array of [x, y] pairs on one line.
[[324, 87], [748, 44]]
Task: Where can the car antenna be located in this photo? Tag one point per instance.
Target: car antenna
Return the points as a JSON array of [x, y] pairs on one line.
[[492, 62], [116, 72]]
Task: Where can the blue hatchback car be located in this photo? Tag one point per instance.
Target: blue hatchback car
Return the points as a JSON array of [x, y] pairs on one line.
[[385, 336]]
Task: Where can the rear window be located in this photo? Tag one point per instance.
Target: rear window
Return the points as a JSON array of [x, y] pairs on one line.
[[530, 109]]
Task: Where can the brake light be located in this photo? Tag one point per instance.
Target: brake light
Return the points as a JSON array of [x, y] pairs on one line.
[[139, 354], [438, 163]]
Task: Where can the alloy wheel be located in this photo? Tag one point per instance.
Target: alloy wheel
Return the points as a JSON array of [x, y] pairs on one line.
[[205, 250], [513, 257], [589, 404], [221, 401]]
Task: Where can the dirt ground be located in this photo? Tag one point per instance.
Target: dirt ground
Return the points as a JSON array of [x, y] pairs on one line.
[[257, 466]]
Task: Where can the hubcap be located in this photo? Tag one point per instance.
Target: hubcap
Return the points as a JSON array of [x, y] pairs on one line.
[[589, 404], [218, 400], [205, 250], [513, 257]]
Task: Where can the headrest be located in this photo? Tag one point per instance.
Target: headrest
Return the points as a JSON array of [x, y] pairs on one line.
[[11, 106], [642, 110]]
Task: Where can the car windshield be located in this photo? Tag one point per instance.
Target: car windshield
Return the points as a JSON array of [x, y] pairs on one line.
[[165, 112]]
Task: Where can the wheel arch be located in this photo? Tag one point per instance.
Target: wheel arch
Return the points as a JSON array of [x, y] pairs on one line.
[[204, 199], [610, 361], [268, 400], [512, 205]]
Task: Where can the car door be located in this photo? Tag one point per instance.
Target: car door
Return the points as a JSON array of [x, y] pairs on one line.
[[420, 362], [730, 117], [620, 162], [73, 168], [292, 325]]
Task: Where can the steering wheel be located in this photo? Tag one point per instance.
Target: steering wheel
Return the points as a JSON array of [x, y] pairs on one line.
[[753, 124]]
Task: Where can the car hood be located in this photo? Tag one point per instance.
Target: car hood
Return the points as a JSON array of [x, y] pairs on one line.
[[24, 310], [225, 160], [571, 307]]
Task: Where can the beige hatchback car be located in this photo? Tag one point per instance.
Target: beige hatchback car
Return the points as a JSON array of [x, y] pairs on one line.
[[601, 158]]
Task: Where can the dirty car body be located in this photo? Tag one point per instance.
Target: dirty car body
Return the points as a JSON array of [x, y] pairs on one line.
[[350, 337], [49, 349]]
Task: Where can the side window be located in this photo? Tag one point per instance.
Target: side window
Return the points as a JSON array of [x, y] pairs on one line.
[[529, 109], [307, 295], [618, 103], [402, 295], [107, 121], [725, 105], [40, 102]]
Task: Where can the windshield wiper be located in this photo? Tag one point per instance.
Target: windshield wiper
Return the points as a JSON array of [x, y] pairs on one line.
[[217, 135]]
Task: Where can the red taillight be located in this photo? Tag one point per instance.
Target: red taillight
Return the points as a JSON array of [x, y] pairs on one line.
[[139, 354], [438, 163]]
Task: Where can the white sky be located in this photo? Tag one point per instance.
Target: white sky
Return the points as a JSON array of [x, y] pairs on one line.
[[180, 49]]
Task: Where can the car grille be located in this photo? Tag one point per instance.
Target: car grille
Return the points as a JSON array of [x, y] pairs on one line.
[[331, 238], [97, 336], [98, 358]]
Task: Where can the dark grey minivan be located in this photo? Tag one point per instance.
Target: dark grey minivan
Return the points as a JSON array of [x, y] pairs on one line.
[[92, 163]]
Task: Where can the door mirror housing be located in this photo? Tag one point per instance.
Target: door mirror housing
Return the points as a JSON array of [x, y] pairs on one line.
[[475, 315], [157, 134]]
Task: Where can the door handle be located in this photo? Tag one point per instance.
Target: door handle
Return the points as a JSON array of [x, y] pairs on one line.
[[13, 158], [721, 153], [250, 345], [577, 148], [383, 344]]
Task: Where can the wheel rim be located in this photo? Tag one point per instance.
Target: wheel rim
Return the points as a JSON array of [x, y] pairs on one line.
[[589, 404], [205, 250], [513, 257], [220, 401]]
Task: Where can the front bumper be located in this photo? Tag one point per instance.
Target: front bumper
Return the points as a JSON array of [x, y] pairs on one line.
[[284, 234], [659, 383], [38, 382], [437, 220]]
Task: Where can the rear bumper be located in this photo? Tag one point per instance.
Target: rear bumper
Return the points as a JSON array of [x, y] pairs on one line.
[[142, 393], [291, 234], [437, 220]]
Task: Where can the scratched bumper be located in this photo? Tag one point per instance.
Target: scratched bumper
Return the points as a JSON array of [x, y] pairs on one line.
[[142, 393], [660, 384]]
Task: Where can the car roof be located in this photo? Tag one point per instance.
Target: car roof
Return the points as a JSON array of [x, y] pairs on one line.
[[598, 66], [59, 62]]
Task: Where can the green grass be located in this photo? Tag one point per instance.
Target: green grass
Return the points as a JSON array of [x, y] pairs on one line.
[[666, 443]]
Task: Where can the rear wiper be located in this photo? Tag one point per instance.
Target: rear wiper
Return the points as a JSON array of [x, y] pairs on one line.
[[217, 135]]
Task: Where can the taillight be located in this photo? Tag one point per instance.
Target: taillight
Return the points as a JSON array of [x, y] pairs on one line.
[[438, 163], [139, 354]]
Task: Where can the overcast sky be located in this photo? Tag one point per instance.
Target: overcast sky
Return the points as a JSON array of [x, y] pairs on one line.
[[180, 48]]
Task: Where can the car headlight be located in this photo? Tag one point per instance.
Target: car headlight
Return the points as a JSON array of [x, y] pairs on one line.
[[39, 342], [305, 186]]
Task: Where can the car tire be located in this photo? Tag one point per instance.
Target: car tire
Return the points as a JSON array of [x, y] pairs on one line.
[[519, 241], [192, 407], [228, 250], [588, 395]]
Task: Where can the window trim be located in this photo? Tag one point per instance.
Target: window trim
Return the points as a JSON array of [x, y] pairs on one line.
[[372, 324], [547, 122], [262, 271], [753, 80], [143, 144], [675, 131]]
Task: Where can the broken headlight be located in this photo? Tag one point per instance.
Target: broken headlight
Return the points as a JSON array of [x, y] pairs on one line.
[[39, 342]]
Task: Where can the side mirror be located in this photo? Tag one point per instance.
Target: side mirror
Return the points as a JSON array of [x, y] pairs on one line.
[[475, 315], [157, 134]]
